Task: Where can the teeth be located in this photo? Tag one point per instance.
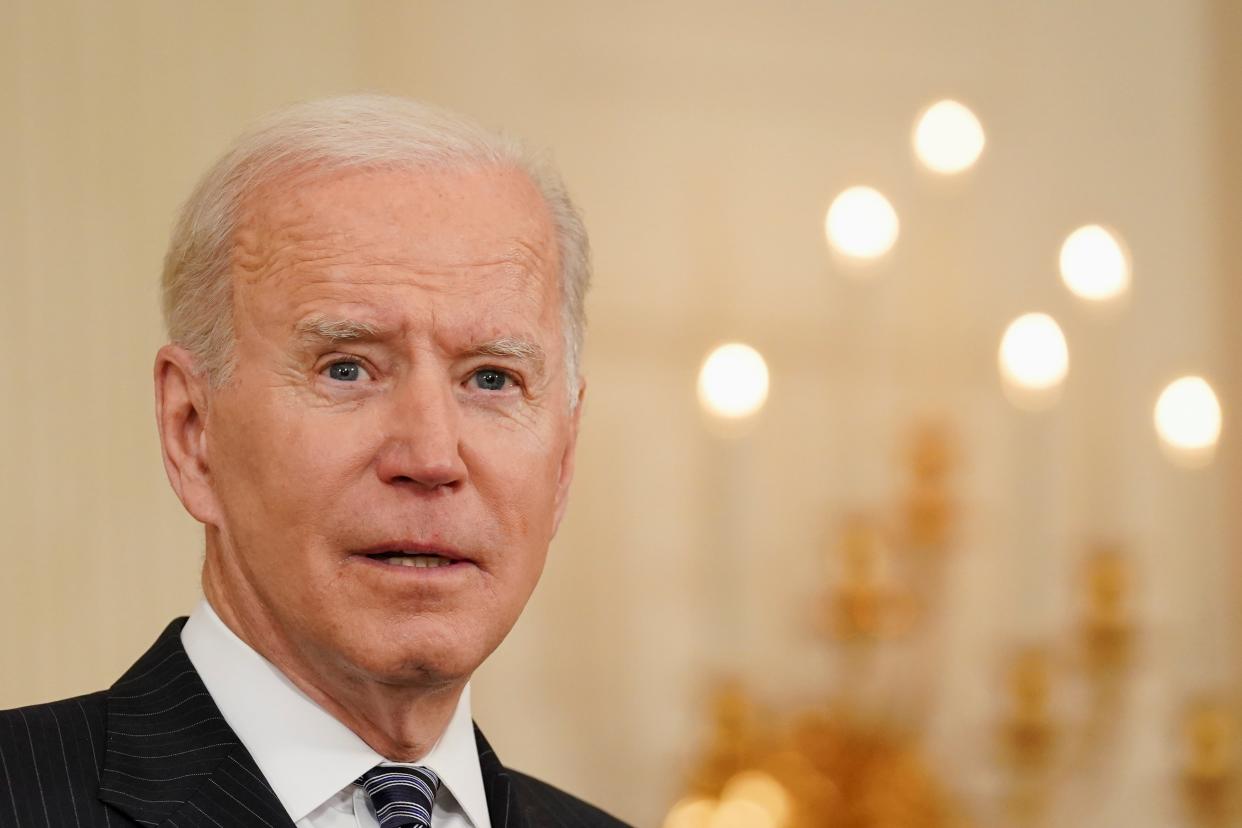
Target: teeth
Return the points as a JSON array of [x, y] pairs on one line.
[[419, 561]]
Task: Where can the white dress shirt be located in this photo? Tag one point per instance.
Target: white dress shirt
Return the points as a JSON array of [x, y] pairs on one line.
[[310, 759]]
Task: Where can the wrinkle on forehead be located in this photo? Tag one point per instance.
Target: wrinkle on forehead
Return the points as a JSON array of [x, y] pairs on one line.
[[288, 229]]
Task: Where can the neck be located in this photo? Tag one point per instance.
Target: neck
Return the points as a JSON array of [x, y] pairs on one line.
[[400, 722]]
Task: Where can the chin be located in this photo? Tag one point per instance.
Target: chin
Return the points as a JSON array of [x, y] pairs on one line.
[[423, 660]]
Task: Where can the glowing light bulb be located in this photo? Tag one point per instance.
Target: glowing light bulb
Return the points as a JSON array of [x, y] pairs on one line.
[[1034, 359], [1188, 421], [1094, 265], [948, 138], [762, 789], [733, 382], [741, 813], [861, 223], [692, 812]]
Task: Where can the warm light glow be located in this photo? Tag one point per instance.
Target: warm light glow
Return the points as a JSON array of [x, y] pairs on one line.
[[763, 790], [692, 812], [1094, 266], [861, 223], [948, 138], [1188, 420], [733, 382], [1033, 353], [741, 813]]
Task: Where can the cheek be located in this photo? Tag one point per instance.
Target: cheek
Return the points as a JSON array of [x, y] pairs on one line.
[[517, 475], [274, 461]]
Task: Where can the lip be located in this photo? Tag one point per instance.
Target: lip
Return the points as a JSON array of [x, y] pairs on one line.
[[448, 575], [455, 575], [406, 545]]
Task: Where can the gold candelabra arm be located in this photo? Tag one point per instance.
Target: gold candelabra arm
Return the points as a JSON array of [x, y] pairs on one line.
[[1210, 764]]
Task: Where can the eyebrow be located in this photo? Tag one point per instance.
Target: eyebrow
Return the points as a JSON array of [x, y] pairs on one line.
[[323, 328], [512, 348], [320, 327]]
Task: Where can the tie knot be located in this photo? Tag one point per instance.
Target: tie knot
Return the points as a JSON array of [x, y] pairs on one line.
[[402, 797]]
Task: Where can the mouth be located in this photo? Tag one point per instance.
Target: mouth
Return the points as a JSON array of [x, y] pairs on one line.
[[413, 556], [417, 560]]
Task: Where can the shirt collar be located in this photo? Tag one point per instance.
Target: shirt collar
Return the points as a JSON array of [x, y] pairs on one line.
[[306, 754]]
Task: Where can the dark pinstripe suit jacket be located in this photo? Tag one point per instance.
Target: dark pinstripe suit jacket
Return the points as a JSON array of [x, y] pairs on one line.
[[154, 750]]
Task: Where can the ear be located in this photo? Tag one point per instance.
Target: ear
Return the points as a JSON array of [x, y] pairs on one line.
[[566, 474], [181, 415]]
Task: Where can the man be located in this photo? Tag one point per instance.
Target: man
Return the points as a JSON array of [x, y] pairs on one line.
[[370, 400]]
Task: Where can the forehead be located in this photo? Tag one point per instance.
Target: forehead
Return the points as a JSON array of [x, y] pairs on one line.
[[352, 227]]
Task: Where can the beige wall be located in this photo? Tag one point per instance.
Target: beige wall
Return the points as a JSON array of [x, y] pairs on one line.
[[1225, 81], [704, 141]]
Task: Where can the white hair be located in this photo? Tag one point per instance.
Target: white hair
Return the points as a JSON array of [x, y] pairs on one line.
[[353, 131]]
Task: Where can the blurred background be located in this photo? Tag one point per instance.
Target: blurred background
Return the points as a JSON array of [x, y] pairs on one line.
[[946, 538]]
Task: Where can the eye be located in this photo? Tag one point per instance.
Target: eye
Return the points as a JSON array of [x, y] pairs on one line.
[[347, 370], [489, 379]]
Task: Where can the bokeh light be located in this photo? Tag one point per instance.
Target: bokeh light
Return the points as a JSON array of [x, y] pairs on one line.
[[861, 223], [762, 789], [1033, 353], [1034, 359], [691, 812], [948, 138], [733, 382], [1094, 264], [741, 813], [1188, 420]]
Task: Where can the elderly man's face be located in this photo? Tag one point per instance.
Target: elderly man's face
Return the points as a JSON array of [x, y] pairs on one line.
[[391, 458]]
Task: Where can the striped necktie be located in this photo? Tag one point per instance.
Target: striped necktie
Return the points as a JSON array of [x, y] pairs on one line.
[[402, 797]]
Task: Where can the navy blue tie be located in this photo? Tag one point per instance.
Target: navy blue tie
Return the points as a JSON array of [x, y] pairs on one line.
[[402, 797]]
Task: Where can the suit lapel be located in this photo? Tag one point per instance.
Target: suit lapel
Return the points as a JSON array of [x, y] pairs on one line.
[[502, 803], [171, 759]]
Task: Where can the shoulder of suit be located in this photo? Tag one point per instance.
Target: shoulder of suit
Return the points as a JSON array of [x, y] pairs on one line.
[[39, 727], [50, 750], [553, 803]]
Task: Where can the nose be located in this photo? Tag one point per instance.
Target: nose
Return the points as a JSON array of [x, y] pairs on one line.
[[422, 449]]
